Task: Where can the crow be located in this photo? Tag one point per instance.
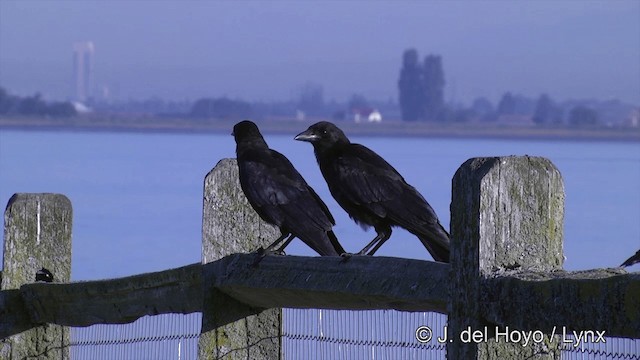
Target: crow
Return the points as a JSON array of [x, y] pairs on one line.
[[372, 192], [279, 194], [632, 260]]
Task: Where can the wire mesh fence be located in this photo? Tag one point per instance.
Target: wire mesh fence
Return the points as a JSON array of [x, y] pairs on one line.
[[377, 334], [312, 334], [608, 348], [161, 337]]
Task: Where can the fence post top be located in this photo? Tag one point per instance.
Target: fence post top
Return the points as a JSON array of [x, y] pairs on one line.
[[61, 199]]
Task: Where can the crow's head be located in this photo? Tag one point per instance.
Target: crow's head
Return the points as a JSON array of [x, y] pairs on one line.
[[247, 133], [323, 134]]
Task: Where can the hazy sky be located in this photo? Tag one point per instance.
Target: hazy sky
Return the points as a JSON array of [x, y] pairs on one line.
[[267, 50]]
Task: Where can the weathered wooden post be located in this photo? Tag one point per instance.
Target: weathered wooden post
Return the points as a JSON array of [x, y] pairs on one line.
[[507, 215], [230, 225], [37, 233]]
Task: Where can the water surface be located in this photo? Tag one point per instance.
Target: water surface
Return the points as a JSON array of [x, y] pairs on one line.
[[137, 198]]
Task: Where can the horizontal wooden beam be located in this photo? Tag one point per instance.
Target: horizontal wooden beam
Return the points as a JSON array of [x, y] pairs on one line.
[[115, 301], [14, 317], [355, 283], [597, 300], [586, 300], [277, 281]]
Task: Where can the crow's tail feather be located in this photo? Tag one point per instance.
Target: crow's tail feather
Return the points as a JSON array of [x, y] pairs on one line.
[[324, 243], [632, 260], [336, 244], [437, 242]]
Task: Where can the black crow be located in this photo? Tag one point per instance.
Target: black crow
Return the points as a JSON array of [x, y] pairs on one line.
[[279, 194], [632, 260], [372, 192], [44, 275]]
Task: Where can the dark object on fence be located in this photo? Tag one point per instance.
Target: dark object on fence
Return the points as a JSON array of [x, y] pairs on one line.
[[504, 271], [632, 260], [372, 192], [279, 194], [37, 234], [44, 275]]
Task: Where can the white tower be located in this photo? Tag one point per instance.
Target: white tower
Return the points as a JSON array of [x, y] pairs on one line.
[[83, 70]]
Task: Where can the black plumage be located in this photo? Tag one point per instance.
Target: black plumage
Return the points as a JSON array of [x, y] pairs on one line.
[[632, 260], [44, 275], [372, 192], [279, 194]]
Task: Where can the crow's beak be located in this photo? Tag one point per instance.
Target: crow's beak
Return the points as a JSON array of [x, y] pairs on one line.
[[307, 135]]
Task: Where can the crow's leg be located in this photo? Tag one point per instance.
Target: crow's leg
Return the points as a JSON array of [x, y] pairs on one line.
[[273, 244], [280, 250], [384, 233], [261, 253], [373, 251]]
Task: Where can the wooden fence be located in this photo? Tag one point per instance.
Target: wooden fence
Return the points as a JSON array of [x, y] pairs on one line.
[[505, 292]]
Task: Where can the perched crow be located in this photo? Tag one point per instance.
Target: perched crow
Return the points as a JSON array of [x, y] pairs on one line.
[[372, 192], [632, 260], [44, 275], [279, 194]]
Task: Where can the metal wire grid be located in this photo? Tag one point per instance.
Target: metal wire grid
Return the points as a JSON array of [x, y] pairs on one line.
[[333, 334], [613, 348], [170, 336], [338, 334], [308, 334]]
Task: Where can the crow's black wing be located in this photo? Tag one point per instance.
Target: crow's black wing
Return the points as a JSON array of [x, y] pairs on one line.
[[276, 190], [381, 182], [322, 205], [364, 178], [367, 179]]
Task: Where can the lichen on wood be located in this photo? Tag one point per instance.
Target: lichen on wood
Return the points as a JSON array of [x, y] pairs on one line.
[[37, 234], [506, 214], [230, 225]]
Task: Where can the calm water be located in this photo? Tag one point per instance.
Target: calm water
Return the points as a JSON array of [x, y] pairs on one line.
[[137, 198]]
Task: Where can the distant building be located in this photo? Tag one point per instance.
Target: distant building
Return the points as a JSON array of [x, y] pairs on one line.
[[366, 114], [633, 119], [83, 70], [81, 108], [375, 116]]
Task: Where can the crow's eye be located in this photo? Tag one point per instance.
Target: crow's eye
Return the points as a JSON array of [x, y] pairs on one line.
[[324, 132]]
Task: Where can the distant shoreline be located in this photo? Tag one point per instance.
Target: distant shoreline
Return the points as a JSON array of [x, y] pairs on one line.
[[292, 127]]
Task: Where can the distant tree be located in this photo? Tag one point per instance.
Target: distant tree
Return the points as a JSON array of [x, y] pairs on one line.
[[507, 105], [482, 107], [433, 87], [357, 101], [546, 111], [311, 99], [221, 108], [339, 115], [203, 108], [461, 115], [583, 116], [61, 110], [410, 86], [32, 105], [8, 103]]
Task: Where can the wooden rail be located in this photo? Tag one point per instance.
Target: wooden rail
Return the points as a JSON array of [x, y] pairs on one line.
[[524, 301]]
